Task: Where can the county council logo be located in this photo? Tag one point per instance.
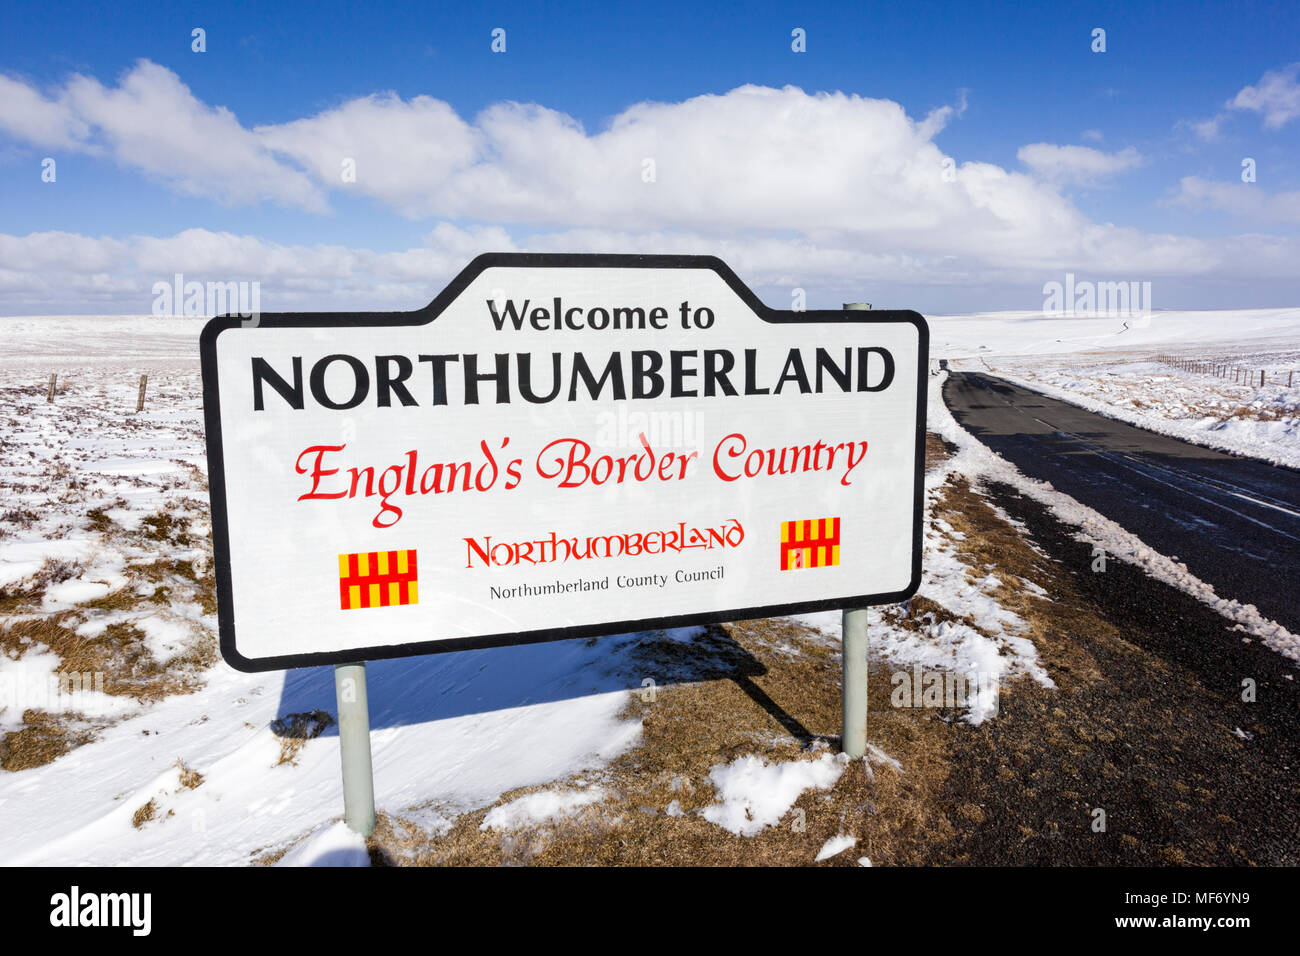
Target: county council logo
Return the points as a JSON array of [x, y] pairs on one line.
[[377, 579], [812, 543]]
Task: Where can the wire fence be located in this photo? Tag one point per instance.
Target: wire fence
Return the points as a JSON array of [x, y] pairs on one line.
[[52, 389], [1242, 376]]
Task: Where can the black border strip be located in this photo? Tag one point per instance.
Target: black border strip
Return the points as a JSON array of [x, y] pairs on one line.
[[216, 459]]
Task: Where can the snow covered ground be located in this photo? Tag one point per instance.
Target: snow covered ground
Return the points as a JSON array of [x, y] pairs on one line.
[[1118, 366], [104, 529]]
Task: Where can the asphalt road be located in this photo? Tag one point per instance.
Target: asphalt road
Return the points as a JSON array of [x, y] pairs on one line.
[[1235, 522]]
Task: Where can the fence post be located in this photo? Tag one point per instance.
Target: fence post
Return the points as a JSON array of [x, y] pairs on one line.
[[49, 395], [139, 402]]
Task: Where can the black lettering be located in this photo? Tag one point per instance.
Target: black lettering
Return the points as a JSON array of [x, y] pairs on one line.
[[793, 372], [627, 314], [526, 378], [516, 316], [438, 365], [842, 376], [386, 383], [360, 379], [751, 373], [501, 376], [262, 372], [646, 380], [885, 379], [680, 372], [613, 372], [715, 376]]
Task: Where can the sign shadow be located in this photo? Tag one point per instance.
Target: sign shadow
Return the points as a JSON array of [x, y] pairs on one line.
[[416, 690]]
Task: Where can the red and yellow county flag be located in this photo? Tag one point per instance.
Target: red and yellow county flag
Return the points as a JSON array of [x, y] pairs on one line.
[[813, 543], [377, 579]]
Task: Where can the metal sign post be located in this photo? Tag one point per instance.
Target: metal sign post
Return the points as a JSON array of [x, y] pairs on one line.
[[854, 644], [854, 735], [354, 747]]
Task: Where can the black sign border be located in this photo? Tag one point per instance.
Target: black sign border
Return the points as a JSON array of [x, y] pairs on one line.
[[216, 459]]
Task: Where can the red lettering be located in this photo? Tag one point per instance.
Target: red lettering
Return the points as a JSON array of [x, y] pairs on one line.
[[317, 473]]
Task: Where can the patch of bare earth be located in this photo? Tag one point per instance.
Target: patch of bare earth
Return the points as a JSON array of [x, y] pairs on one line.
[[1146, 753]]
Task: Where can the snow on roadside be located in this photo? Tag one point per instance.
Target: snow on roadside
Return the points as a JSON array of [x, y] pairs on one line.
[[1109, 364], [754, 795], [976, 460], [998, 651], [995, 652]]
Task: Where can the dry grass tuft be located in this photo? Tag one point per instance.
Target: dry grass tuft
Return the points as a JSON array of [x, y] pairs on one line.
[[117, 661], [191, 779], [144, 814], [17, 600], [44, 738], [165, 528]]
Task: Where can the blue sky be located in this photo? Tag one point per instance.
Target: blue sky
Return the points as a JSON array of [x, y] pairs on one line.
[[1118, 133]]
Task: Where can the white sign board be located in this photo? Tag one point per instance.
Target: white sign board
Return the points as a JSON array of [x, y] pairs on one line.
[[558, 446]]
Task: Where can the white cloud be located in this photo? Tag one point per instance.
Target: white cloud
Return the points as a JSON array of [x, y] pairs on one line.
[[937, 119], [60, 267], [1239, 199], [29, 115], [823, 166], [1081, 165], [1208, 130], [43, 273], [152, 122], [402, 151], [790, 188], [1276, 97]]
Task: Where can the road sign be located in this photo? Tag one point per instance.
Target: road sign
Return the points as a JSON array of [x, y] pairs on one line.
[[558, 446]]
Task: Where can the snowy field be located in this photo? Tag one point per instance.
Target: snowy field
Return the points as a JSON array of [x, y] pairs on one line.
[[179, 760], [1119, 367]]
